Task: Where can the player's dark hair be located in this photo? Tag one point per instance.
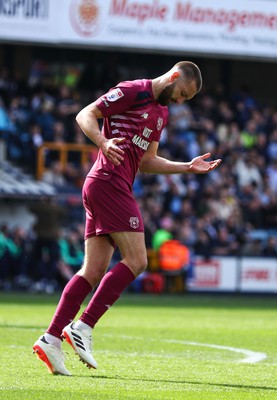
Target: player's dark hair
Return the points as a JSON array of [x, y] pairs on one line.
[[191, 72]]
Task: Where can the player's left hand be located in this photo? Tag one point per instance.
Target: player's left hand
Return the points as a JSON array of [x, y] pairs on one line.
[[198, 165]]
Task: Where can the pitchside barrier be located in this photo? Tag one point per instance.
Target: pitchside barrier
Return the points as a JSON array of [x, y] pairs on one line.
[[222, 274], [233, 274]]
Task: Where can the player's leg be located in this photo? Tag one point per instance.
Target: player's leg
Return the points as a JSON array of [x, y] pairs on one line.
[[132, 249], [98, 253], [134, 261]]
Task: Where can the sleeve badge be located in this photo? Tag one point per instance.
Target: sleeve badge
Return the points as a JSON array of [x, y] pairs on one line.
[[114, 94]]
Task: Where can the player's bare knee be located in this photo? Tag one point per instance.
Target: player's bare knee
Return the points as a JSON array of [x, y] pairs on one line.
[[92, 276], [137, 265], [143, 264], [142, 268]]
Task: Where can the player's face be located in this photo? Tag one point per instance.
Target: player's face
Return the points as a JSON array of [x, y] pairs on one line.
[[177, 92], [164, 97]]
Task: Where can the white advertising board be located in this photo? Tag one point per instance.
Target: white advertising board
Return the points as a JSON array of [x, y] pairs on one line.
[[29, 20], [242, 28], [215, 274], [199, 26], [258, 275]]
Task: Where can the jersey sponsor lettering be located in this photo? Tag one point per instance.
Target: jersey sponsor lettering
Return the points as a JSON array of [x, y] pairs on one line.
[[147, 132], [141, 143]]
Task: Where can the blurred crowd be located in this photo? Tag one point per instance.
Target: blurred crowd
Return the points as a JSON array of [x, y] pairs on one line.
[[230, 211], [39, 262]]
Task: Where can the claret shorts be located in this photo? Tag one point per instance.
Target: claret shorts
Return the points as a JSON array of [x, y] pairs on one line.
[[110, 207]]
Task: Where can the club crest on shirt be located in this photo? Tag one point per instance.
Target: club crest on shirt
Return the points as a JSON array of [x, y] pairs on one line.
[[159, 123], [134, 222], [114, 94]]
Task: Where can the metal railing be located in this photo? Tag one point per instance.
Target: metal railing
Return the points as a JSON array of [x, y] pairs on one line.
[[88, 152]]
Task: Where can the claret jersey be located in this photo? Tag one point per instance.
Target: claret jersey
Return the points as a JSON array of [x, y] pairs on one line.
[[129, 111]]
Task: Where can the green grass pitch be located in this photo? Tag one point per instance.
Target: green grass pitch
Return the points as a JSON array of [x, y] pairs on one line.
[[148, 347]]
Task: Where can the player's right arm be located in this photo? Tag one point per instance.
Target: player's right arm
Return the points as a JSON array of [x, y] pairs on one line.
[[87, 119]]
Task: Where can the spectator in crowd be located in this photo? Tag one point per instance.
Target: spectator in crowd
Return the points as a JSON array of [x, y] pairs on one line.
[[8, 133], [31, 145], [43, 114], [163, 233], [7, 250], [181, 119], [247, 171], [71, 254], [252, 248], [249, 135], [204, 245], [272, 146], [222, 245], [54, 175], [224, 205], [15, 257], [271, 172], [19, 249], [49, 219], [270, 247]]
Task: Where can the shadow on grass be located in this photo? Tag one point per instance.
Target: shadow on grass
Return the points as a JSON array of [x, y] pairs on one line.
[[23, 327], [184, 382]]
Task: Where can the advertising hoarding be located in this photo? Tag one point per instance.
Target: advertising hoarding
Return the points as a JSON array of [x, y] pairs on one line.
[[246, 29]]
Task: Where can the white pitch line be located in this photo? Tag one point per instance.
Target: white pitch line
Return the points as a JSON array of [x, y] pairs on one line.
[[252, 357]]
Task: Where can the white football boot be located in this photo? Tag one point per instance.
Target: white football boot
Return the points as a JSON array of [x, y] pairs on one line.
[[81, 342], [52, 356]]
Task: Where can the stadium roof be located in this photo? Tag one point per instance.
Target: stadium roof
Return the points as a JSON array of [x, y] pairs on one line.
[[16, 184]]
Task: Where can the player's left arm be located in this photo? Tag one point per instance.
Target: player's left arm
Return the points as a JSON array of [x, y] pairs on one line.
[[153, 164]]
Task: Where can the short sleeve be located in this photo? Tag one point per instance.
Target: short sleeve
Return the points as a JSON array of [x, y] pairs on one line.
[[117, 100]]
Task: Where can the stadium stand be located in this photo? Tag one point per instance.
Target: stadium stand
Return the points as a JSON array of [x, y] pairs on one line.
[[224, 212]]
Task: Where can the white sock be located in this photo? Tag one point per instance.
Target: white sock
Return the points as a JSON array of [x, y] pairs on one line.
[[82, 326], [54, 340]]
